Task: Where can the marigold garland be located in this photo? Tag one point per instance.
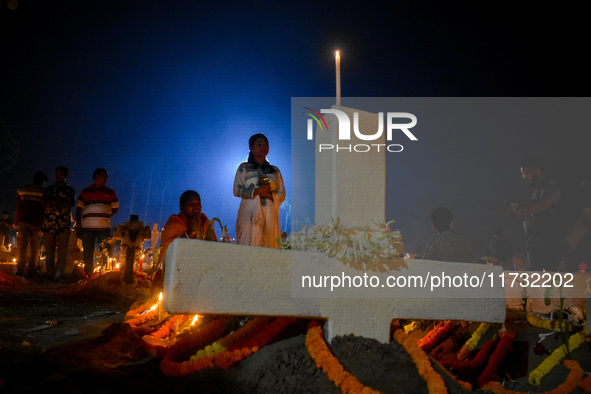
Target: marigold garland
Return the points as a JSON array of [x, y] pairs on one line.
[[461, 383], [585, 384], [537, 321], [572, 381], [435, 382], [7, 280], [436, 335], [331, 366], [185, 346], [241, 344], [476, 362], [159, 341], [242, 334], [495, 358], [237, 351], [471, 343], [536, 376], [169, 325], [142, 319], [143, 307], [157, 347]]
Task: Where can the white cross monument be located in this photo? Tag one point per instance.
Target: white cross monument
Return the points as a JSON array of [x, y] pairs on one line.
[[219, 278]]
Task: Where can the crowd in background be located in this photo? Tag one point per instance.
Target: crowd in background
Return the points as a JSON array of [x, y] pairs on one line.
[[556, 219], [556, 222]]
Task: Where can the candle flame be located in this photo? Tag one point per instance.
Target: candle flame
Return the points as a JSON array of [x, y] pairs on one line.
[[337, 54]]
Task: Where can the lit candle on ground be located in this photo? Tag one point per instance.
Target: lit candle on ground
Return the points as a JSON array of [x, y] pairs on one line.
[[337, 60], [160, 306]]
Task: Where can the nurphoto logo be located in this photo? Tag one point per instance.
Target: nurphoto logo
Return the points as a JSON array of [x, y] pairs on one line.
[[344, 133]]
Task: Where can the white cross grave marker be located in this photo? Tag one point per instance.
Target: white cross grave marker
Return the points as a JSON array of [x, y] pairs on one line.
[[220, 278]]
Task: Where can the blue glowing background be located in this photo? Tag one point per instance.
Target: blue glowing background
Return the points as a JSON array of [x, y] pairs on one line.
[[166, 94]]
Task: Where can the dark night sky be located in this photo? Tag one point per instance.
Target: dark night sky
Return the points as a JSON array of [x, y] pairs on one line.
[[166, 94]]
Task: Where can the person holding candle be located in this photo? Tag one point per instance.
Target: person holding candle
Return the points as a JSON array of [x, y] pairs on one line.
[[259, 185], [540, 217]]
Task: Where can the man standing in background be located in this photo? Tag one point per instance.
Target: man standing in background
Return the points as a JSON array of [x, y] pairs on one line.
[[58, 199], [539, 217], [28, 218], [96, 204], [6, 224]]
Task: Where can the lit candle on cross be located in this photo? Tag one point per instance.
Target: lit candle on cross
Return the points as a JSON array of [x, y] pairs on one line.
[[337, 60]]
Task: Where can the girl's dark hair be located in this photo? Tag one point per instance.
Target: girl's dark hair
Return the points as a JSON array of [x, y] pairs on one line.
[[255, 137], [266, 167], [187, 195]]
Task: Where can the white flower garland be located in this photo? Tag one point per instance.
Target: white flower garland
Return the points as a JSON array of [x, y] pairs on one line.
[[372, 246]]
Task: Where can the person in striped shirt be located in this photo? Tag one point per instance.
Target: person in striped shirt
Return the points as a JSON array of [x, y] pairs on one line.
[[96, 204]]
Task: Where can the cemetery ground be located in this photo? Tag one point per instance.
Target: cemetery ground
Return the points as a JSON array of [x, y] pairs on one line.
[[72, 338]]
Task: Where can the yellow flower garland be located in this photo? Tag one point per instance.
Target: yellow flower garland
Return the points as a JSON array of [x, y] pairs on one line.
[[537, 321], [435, 382], [249, 329], [331, 366], [237, 346], [573, 379], [535, 376], [411, 327], [471, 343]]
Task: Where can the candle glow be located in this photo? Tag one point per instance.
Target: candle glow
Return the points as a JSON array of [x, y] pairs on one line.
[[160, 306], [337, 60]]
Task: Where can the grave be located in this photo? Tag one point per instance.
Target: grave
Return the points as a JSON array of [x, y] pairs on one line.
[[220, 278]]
